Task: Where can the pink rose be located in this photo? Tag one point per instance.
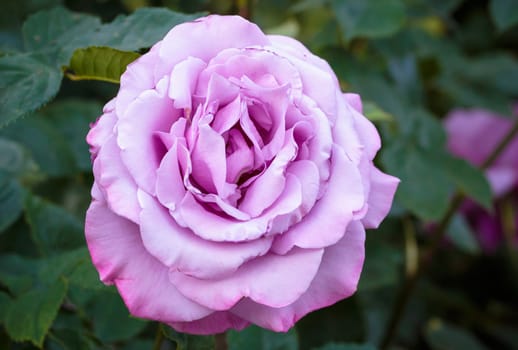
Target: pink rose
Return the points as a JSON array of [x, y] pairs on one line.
[[233, 181], [473, 135]]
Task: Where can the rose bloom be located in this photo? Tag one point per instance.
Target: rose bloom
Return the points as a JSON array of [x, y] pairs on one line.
[[233, 181], [473, 135]]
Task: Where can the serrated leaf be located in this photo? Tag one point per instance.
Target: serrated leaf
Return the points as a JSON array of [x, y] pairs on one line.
[[99, 63], [47, 145], [14, 159], [470, 180], [58, 32], [369, 18], [425, 186], [504, 13], [256, 338], [141, 29], [27, 81], [72, 119], [111, 320], [11, 201], [17, 273], [30, 316], [53, 229]]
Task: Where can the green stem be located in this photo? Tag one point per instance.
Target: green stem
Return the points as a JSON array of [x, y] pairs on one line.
[[438, 235], [159, 338], [221, 341]]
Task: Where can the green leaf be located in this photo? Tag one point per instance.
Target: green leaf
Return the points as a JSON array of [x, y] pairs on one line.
[[72, 119], [256, 338], [141, 29], [17, 273], [47, 145], [346, 346], [504, 13], [111, 320], [11, 201], [489, 81], [469, 179], [460, 234], [382, 265], [69, 333], [53, 229], [369, 18], [99, 63], [27, 81], [85, 275], [14, 159], [30, 316], [425, 187], [188, 342], [374, 113], [58, 32], [443, 336], [5, 302]]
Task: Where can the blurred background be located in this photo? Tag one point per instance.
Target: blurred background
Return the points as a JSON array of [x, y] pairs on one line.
[[418, 64]]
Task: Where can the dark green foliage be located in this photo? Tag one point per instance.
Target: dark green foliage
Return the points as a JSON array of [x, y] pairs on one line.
[[412, 61]]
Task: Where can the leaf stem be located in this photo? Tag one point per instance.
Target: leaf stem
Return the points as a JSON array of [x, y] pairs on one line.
[[221, 341], [159, 338], [438, 235]]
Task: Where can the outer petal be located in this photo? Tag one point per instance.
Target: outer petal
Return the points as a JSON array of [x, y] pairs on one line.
[[211, 35], [138, 77], [381, 194], [102, 129], [143, 283], [118, 186], [255, 280], [325, 224], [181, 250], [336, 279], [217, 322]]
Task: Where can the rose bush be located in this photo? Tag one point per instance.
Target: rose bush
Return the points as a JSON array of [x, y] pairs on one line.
[[473, 135], [233, 181]]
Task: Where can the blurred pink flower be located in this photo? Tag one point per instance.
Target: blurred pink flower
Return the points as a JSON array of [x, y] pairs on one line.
[[473, 135]]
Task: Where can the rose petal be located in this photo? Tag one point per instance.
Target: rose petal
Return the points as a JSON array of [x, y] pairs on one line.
[[382, 190], [217, 322], [119, 256], [180, 250], [255, 280], [138, 77], [214, 227], [336, 279], [263, 192], [327, 221], [149, 113], [102, 129], [119, 188], [212, 34], [294, 48], [169, 183], [183, 82], [227, 116], [355, 101]]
